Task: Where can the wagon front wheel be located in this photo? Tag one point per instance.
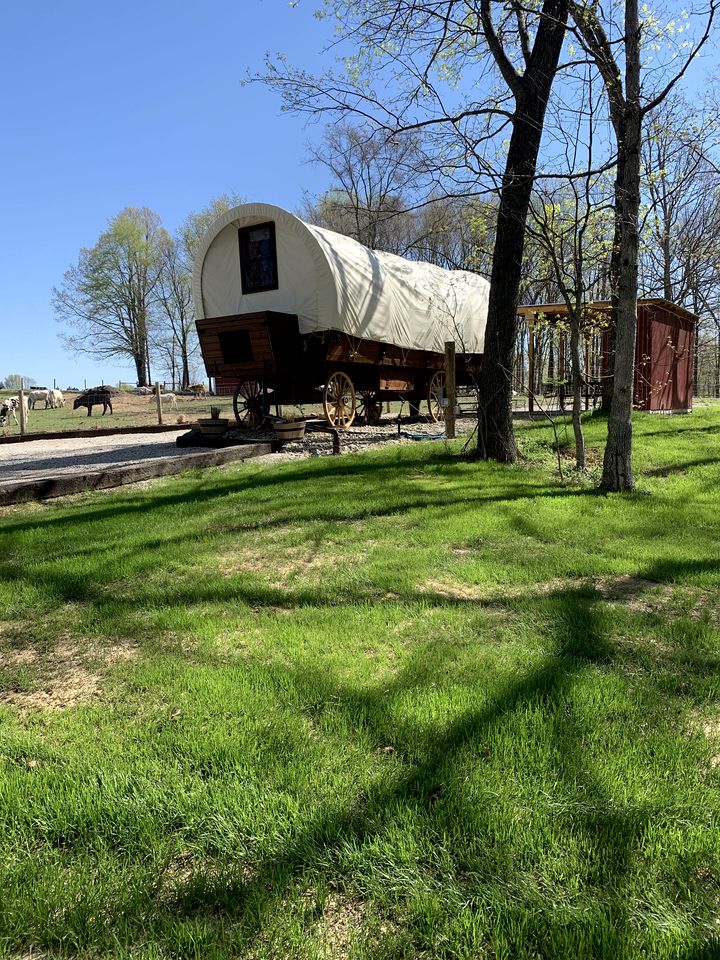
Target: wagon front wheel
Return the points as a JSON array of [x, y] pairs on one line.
[[339, 400], [249, 404], [436, 393]]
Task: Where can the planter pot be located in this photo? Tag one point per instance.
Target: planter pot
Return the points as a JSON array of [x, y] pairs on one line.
[[213, 428], [290, 431]]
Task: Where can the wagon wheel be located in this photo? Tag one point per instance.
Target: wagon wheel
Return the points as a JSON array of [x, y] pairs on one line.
[[339, 400], [436, 391], [249, 404], [370, 406]]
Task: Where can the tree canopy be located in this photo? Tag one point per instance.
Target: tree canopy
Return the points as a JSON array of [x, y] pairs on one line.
[[130, 295], [107, 297]]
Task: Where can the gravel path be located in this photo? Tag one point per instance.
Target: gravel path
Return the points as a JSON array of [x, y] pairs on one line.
[[360, 438], [45, 459]]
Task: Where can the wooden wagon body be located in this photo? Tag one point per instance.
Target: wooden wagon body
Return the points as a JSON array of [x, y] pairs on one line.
[[271, 363]]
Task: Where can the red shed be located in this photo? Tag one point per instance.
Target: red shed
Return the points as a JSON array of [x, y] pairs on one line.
[[664, 350]]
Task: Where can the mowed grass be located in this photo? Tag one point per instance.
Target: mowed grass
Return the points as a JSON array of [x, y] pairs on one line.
[[393, 705]]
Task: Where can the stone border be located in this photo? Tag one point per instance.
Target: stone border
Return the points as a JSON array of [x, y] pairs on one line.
[[48, 488]]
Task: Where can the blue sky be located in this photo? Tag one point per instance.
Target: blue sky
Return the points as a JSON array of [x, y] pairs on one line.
[[133, 104], [137, 103]]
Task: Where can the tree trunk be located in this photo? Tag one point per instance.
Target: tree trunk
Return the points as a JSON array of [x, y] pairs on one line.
[[496, 440], [185, 364], [615, 255], [551, 357], [577, 382], [667, 275], [140, 371], [617, 464]]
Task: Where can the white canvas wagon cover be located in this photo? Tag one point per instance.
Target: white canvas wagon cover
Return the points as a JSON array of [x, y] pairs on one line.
[[332, 282]]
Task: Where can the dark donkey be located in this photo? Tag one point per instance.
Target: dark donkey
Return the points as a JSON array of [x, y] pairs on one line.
[[91, 397]]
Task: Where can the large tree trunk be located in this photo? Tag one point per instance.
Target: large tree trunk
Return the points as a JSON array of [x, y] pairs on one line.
[[617, 464], [615, 255], [496, 440], [140, 371]]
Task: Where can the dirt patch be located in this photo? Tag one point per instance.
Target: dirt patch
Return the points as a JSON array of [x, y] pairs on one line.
[[644, 596], [68, 675], [495, 593], [647, 596], [634, 593], [288, 563], [340, 923], [455, 591], [711, 728], [19, 658]]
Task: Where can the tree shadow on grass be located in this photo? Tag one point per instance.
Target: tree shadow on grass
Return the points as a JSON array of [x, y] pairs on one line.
[[427, 782], [77, 542], [668, 468], [681, 428], [417, 788], [364, 474]]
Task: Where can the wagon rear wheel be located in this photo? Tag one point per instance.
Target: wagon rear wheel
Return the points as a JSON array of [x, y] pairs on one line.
[[250, 404], [436, 393], [370, 406], [339, 400]]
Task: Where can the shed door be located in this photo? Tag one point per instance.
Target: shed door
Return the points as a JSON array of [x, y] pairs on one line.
[[671, 369]]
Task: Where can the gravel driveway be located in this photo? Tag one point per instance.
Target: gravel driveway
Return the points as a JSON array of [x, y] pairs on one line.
[[44, 459]]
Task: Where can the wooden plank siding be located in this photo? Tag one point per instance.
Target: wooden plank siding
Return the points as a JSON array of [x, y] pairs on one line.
[[248, 345], [268, 347]]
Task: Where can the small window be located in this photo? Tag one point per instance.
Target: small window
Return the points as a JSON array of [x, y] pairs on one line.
[[258, 258], [235, 346]]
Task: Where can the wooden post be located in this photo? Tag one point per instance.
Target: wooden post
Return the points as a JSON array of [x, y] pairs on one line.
[[23, 422], [158, 401], [450, 389], [531, 366]]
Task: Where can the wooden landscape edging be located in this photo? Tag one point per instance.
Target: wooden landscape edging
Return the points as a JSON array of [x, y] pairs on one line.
[[45, 489], [100, 432]]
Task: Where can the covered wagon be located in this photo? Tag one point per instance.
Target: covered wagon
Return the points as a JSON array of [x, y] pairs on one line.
[[290, 313]]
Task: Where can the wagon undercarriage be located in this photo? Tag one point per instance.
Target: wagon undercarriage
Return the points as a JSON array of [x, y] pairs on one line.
[[273, 364]]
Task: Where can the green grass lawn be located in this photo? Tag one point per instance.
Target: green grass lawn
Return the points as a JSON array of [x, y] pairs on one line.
[[393, 705]]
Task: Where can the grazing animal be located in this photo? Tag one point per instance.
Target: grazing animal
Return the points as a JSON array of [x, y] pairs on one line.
[[55, 399], [143, 391], [11, 406], [36, 395], [197, 389], [168, 398], [98, 395]]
